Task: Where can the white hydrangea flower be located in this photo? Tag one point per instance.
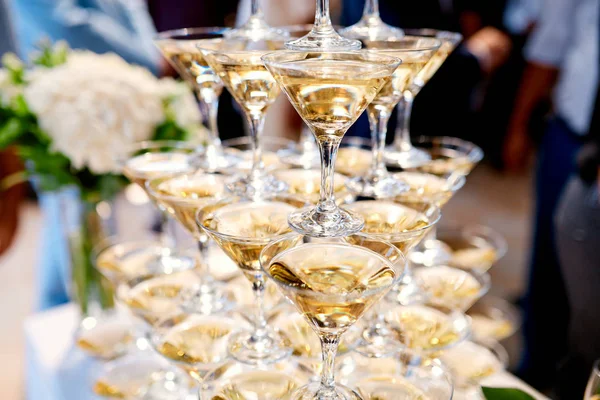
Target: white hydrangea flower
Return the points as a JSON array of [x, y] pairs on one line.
[[95, 105], [183, 103]]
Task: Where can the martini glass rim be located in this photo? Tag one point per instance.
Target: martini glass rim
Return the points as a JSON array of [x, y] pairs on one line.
[[421, 44], [454, 184], [273, 47], [454, 317], [507, 309], [454, 37], [401, 259], [431, 207], [470, 149], [202, 213], [153, 184], [146, 147], [275, 58], [181, 33], [271, 141]]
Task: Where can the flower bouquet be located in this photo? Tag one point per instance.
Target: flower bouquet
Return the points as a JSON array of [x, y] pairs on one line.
[[67, 116]]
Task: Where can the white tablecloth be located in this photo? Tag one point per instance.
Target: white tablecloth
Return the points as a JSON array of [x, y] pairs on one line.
[[57, 370]]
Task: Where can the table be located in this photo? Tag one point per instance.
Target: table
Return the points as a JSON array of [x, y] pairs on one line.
[[57, 370]]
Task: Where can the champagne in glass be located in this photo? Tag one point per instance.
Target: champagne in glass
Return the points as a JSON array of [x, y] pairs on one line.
[[179, 47], [148, 160], [415, 52], [242, 228], [182, 196], [332, 283], [329, 91], [404, 226], [241, 69], [402, 153]]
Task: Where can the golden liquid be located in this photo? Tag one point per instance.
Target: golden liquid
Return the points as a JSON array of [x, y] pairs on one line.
[[451, 287], [402, 226], [423, 328], [105, 389], [249, 228], [330, 95], [425, 188], [145, 167], [307, 184], [154, 299], [485, 327], [189, 62], [389, 388], [353, 161], [106, 340], [263, 385], [391, 93], [480, 258], [248, 81], [184, 196], [436, 61], [332, 285], [200, 346], [446, 162]]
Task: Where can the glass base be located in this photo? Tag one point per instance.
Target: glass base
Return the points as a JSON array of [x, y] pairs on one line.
[[407, 159], [252, 186], [377, 186], [372, 29], [268, 349], [335, 223], [316, 41], [314, 391], [171, 261], [300, 158], [378, 342], [207, 299]]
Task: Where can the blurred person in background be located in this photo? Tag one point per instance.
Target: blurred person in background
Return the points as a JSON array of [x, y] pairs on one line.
[[563, 60], [10, 198], [123, 27], [449, 95], [578, 240]]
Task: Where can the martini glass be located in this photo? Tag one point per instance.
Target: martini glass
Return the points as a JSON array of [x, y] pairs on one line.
[[415, 53], [305, 154], [323, 36], [179, 47], [332, 283], [493, 318], [241, 69], [354, 156], [404, 226], [371, 26], [242, 228], [148, 160], [195, 343], [329, 91], [182, 196], [256, 28], [401, 153]]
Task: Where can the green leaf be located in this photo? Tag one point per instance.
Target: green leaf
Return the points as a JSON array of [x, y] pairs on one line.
[[505, 394], [169, 130], [10, 132]]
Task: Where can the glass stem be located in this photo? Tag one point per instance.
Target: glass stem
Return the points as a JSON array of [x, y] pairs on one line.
[[210, 111], [166, 237], [378, 119], [328, 148], [255, 8], [329, 348], [257, 123], [323, 25], [205, 276], [402, 141], [260, 322], [371, 9]]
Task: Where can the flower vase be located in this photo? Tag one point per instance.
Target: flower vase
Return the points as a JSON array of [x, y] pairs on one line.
[[86, 225]]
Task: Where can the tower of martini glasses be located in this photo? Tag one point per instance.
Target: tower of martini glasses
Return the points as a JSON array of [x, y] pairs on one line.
[[307, 283]]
